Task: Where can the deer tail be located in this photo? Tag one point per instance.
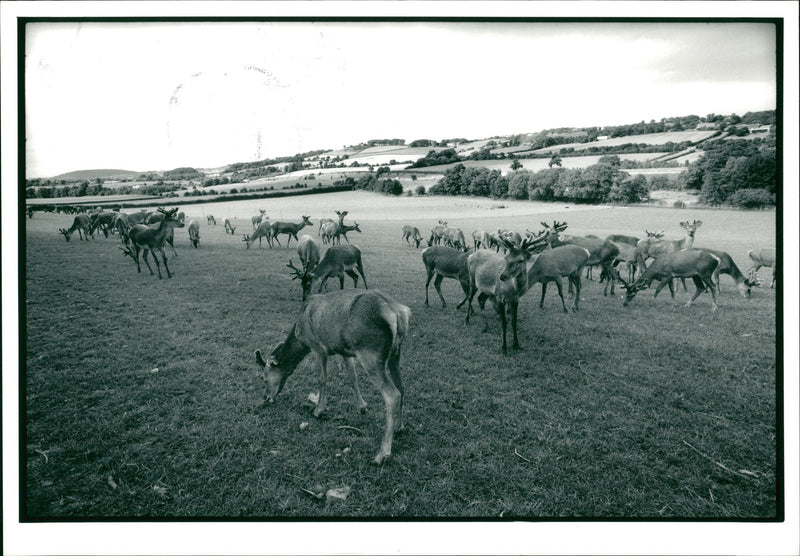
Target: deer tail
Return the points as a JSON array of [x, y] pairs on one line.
[[397, 317]]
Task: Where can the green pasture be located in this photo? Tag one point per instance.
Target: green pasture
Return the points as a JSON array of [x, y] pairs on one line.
[[142, 398]]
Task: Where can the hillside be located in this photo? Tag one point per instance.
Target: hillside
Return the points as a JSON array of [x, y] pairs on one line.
[[94, 174]]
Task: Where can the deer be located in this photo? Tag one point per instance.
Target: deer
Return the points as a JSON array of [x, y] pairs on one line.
[[697, 264], [437, 233], [480, 239], [256, 220], [151, 239], [602, 252], [83, 224], [654, 245], [620, 238], [552, 265], [764, 256], [502, 279], [194, 233], [338, 260], [210, 220], [29, 212], [156, 218], [264, 230], [446, 262], [728, 266], [627, 255], [289, 229], [328, 231], [324, 221], [102, 221], [139, 217], [122, 224], [454, 237], [412, 232], [229, 227], [342, 232], [364, 326]]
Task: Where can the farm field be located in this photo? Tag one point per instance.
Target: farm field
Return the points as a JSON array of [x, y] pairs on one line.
[[142, 397], [648, 139]]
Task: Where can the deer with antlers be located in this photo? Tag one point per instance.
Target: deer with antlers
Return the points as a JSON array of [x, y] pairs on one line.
[[83, 224], [697, 264], [148, 239], [654, 245], [308, 251], [290, 229], [368, 327], [338, 260], [502, 279]]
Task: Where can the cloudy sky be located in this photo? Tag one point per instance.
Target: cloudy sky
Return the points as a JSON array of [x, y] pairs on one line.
[[155, 96]]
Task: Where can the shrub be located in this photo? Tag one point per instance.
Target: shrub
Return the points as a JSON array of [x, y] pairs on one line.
[[679, 204], [751, 198], [420, 190]]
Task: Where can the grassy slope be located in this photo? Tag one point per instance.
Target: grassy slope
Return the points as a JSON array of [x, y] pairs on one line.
[[617, 412]]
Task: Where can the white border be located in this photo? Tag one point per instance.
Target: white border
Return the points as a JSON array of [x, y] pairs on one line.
[[396, 538]]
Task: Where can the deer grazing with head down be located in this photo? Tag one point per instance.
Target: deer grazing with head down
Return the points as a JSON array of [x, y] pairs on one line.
[[367, 326], [211, 220], [149, 239], [412, 233], [229, 227], [338, 260], [502, 279], [765, 256], [264, 231], [290, 229], [102, 221], [437, 233], [446, 262], [308, 251], [83, 224], [697, 264], [194, 233]]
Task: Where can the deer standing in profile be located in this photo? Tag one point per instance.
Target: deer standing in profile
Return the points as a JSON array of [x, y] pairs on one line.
[[256, 220], [149, 239], [83, 224], [727, 266], [290, 229], [765, 256], [412, 233], [446, 262], [552, 265], [264, 230], [368, 327], [697, 264], [503, 279], [194, 233], [338, 260], [454, 237]]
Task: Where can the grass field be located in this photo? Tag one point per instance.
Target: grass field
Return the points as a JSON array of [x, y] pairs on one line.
[[142, 397]]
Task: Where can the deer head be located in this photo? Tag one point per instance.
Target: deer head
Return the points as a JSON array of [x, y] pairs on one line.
[[275, 374], [65, 232], [246, 239], [691, 228], [305, 278]]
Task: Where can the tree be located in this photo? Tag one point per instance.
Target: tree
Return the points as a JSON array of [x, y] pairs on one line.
[[516, 165], [382, 170], [554, 161]]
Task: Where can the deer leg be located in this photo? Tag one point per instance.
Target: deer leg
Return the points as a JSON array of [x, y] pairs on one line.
[[164, 258], [465, 288], [501, 310], [544, 289], [392, 397], [427, 282], [710, 283], [513, 310], [437, 284], [144, 257], [322, 283], [350, 363], [360, 268], [661, 287], [341, 280], [700, 289], [577, 280], [561, 294], [322, 403], [482, 297], [610, 282], [158, 264], [354, 276], [472, 290]]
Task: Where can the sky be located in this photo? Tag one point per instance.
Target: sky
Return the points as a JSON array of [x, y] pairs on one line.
[[155, 96]]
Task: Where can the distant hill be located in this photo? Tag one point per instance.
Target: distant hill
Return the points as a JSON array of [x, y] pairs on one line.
[[94, 174]]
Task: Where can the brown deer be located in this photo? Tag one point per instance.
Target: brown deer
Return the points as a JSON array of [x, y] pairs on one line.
[[341, 232], [338, 260], [256, 220], [697, 264], [454, 237], [122, 224], [358, 325], [102, 221], [502, 279], [654, 245], [727, 266], [229, 227], [480, 239], [328, 231], [437, 233], [446, 262], [552, 265], [412, 233], [264, 230], [83, 224], [210, 220], [765, 256], [290, 229], [194, 233], [151, 239]]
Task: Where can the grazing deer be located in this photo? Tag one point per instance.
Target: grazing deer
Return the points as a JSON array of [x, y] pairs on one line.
[[229, 227], [764, 256], [150, 240], [446, 262], [289, 229], [552, 265], [366, 326], [437, 233], [102, 221], [480, 239], [697, 264], [502, 279], [412, 232], [602, 252], [627, 255], [194, 233], [727, 266], [338, 260], [454, 237], [83, 224], [654, 245], [256, 220], [211, 220], [264, 230]]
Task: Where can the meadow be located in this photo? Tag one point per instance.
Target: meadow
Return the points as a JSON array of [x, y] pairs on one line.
[[142, 398]]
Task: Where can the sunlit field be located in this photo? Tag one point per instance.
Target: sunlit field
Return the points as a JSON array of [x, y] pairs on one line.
[[142, 396]]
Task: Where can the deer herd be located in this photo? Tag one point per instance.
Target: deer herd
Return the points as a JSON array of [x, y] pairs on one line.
[[499, 266]]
